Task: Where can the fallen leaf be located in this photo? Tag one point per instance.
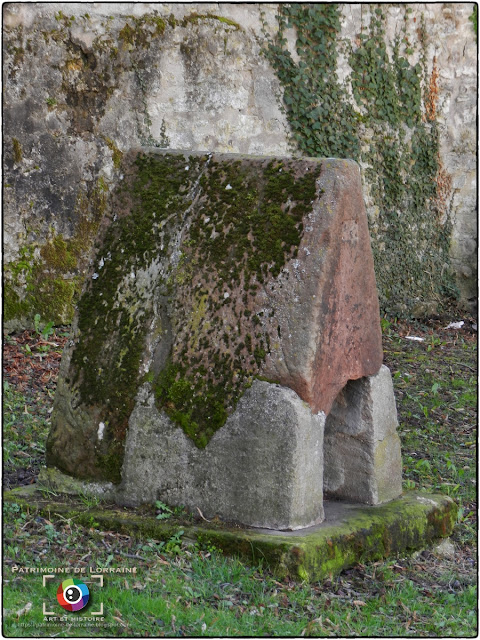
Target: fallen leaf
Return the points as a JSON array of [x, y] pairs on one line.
[[359, 603], [455, 325], [139, 586], [24, 609]]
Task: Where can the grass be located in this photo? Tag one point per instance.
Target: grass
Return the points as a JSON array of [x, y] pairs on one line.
[[197, 593], [436, 391], [180, 589], [25, 430]]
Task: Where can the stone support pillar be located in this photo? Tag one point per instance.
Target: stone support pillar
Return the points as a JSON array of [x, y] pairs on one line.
[[362, 449], [263, 468]]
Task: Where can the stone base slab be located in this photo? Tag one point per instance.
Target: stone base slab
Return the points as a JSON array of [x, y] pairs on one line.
[[350, 534]]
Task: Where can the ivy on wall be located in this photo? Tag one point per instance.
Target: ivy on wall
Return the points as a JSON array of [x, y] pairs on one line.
[[384, 116], [474, 19], [316, 103]]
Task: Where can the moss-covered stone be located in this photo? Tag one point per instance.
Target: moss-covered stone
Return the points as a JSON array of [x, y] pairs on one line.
[[112, 315], [197, 267], [351, 534], [47, 278], [138, 32], [17, 150], [195, 18], [53, 481], [116, 153], [249, 225], [13, 306], [227, 244]]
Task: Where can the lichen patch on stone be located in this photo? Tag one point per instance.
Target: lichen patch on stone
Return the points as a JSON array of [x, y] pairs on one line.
[[198, 289]]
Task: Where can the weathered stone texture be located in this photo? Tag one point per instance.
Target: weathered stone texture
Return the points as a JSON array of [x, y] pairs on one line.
[[262, 468], [89, 81], [362, 448], [203, 285], [451, 44], [215, 271], [458, 92], [330, 307]]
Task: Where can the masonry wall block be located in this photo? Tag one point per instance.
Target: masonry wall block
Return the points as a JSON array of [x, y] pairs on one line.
[[86, 83]]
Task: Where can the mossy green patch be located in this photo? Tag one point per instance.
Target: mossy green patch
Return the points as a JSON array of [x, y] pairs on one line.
[[116, 153], [13, 306], [195, 18], [57, 255], [115, 309], [198, 408], [247, 223], [17, 274], [138, 31], [355, 534], [17, 151], [47, 279], [474, 19]]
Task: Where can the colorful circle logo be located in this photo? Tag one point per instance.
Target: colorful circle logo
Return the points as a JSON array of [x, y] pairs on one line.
[[73, 595]]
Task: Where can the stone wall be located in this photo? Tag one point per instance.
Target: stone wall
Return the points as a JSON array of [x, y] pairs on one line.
[[452, 41], [85, 83]]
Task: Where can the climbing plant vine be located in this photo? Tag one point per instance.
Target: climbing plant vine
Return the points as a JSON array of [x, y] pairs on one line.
[[315, 101], [384, 116]]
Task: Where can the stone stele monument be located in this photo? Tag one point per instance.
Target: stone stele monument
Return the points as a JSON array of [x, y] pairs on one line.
[[226, 351]]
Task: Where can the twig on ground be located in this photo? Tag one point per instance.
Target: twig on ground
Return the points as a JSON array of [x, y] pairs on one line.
[[131, 555], [202, 516]]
